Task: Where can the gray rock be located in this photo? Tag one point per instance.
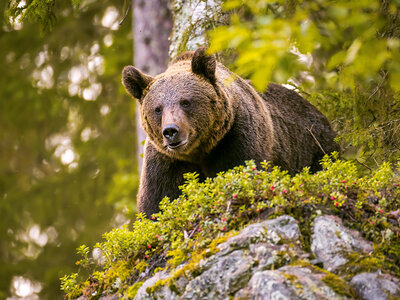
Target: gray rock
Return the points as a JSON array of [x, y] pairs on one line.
[[257, 247], [255, 265], [225, 276], [271, 231], [376, 286], [142, 293], [331, 241], [254, 248], [103, 297], [290, 282], [109, 297], [221, 275], [267, 285]]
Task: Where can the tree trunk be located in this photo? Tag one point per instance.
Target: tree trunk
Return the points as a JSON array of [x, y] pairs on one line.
[[152, 25], [192, 20]]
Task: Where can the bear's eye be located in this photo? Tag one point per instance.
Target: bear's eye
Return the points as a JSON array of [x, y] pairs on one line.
[[185, 103], [158, 110]]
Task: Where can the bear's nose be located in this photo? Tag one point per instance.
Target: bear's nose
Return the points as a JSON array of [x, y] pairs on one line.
[[170, 131]]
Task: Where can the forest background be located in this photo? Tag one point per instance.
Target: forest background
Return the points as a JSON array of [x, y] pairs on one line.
[[68, 167]]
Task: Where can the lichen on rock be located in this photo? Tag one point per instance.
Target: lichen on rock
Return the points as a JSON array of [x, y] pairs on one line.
[[248, 266], [376, 286], [289, 282], [331, 241]]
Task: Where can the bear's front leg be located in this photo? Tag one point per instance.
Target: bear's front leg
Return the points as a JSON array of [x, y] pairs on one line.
[[161, 176]]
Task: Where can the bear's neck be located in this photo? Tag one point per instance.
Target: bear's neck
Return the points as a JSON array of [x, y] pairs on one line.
[[247, 108]]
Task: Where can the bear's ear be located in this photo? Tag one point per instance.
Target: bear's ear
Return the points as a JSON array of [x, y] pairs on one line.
[[203, 64], [135, 81]]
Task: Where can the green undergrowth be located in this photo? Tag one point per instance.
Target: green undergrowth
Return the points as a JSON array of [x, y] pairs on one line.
[[190, 227]]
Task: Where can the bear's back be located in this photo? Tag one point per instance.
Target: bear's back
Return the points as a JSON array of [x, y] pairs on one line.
[[300, 129]]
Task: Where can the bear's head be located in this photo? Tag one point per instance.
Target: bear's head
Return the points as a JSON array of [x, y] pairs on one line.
[[184, 111]]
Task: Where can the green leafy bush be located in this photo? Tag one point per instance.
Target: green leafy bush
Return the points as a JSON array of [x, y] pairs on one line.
[[343, 55], [190, 227]]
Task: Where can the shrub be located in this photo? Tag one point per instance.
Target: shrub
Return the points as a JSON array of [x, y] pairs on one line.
[[207, 211]]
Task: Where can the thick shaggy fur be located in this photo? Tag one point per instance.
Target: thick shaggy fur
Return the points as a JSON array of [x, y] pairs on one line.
[[223, 121]]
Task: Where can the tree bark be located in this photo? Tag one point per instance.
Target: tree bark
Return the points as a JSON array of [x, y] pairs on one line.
[[192, 20], [152, 25]]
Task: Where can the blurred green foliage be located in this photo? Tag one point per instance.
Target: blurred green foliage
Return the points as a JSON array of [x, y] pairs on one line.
[[342, 55], [67, 136], [190, 227]]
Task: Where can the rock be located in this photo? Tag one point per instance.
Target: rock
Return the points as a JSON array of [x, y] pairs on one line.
[[142, 293], [257, 247], [109, 297], [271, 231], [376, 286], [331, 241], [104, 297], [290, 282], [226, 275], [255, 264]]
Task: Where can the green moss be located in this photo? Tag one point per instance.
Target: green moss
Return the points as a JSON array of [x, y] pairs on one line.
[[282, 258], [191, 269], [141, 266], [339, 286], [157, 286], [132, 291], [301, 263], [119, 272], [358, 263], [294, 281], [185, 38], [178, 256]]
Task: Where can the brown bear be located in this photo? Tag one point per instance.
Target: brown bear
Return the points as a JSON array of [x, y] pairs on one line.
[[200, 117]]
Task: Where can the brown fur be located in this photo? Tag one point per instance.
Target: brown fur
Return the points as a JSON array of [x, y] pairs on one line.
[[222, 123]]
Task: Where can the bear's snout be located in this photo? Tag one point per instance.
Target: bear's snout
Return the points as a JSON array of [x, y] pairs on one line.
[[170, 131], [173, 136]]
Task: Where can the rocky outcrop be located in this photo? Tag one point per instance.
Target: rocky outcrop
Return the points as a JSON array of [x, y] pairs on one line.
[[376, 285], [331, 242], [269, 260]]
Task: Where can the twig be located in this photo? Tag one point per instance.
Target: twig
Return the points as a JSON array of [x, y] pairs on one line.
[[378, 86], [361, 163], [228, 207], [194, 230], [310, 130], [126, 12]]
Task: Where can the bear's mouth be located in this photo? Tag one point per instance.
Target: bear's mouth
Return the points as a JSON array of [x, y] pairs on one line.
[[177, 144]]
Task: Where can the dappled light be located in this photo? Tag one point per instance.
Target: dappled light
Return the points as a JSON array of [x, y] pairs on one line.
[[63, 116], [44, 77], [110, 18], [15, 21], [25, 288], [105, 109], [85, 74], [108, 40]]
